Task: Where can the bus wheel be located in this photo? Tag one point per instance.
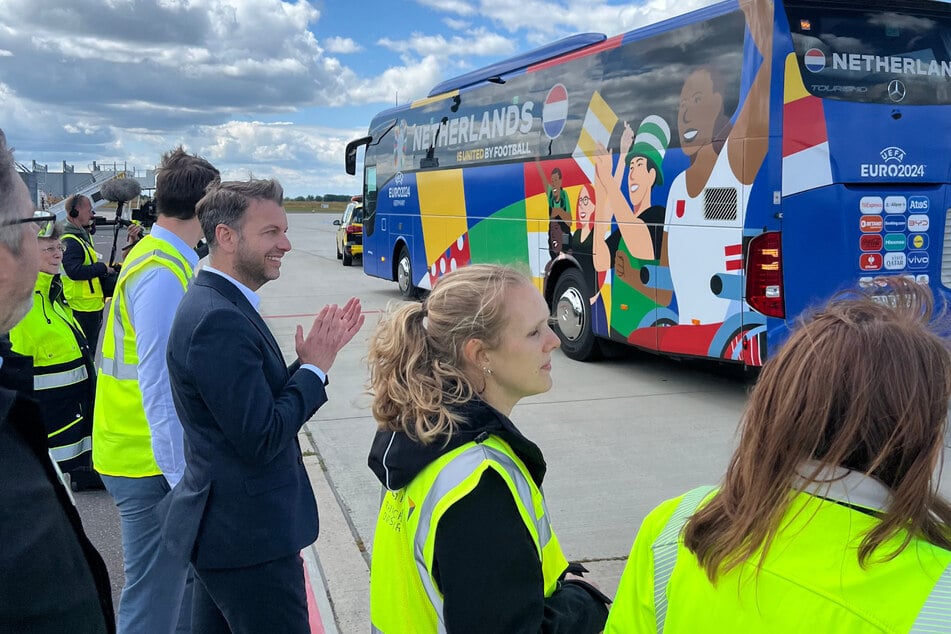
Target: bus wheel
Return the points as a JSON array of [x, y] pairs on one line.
[[572, 313], [404, 274]]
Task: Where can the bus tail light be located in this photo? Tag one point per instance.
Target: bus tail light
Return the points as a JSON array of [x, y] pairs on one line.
[[764, 275]]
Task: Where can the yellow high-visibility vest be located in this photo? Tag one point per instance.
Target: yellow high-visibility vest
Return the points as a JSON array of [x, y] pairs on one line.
[[810, 581], [403, 594], [122, 440], [83, 295]]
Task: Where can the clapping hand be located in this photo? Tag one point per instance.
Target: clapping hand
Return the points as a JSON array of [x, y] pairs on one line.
[[333, 328]]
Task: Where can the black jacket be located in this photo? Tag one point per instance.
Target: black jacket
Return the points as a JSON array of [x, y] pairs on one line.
[[51, 577], [485, 562]]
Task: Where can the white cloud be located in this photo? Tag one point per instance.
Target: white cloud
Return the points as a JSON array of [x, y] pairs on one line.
[[341, 45], [459, 7]]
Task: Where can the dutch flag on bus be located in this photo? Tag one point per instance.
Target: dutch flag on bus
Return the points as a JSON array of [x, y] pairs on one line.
[[555, 111], [815, 60]]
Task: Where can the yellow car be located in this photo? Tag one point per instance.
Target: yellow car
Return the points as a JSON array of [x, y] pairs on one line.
[[350, 233]]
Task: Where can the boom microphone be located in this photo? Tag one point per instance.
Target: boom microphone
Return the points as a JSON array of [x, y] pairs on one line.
[[121, 190]]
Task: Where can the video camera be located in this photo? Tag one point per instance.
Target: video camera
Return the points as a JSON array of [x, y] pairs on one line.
[[146, 214]]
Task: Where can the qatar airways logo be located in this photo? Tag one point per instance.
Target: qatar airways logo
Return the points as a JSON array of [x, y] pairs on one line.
[[892, 166]]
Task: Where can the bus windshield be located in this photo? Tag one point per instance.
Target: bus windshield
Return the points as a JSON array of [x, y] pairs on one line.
[[874, 54]]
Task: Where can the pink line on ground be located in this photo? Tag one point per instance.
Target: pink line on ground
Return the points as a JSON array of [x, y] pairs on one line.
[[316, 624]]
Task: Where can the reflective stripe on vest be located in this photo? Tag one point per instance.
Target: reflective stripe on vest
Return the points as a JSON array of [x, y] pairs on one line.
[[61, 454], [665, 550], [116, 366], [933, 618], [935, 615], [59, 379], [451, 476]]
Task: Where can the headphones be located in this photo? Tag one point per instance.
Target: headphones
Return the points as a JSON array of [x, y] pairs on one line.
[[73, 212]]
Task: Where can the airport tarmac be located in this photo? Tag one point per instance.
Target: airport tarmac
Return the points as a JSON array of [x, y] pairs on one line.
[[619, 436]]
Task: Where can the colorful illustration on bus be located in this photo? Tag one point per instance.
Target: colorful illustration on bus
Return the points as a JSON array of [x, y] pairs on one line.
[[689, 187]]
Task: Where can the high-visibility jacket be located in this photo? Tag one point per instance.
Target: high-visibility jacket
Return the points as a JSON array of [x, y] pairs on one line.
[[404, 596], [62, 371], [83, 295], [122, 440], [810, 581]]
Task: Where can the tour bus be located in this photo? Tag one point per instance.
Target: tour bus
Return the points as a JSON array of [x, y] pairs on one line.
[[689, 187]]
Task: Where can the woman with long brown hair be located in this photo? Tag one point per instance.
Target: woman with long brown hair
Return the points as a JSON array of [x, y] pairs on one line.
[[463, 542], [828, 518]]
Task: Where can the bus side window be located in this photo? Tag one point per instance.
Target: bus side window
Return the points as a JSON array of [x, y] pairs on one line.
[[369, 199]]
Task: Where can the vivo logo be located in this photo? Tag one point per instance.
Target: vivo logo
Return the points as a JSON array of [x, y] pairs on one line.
[[918, 260]]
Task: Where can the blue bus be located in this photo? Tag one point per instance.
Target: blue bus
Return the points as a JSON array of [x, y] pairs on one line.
[[689, 187]]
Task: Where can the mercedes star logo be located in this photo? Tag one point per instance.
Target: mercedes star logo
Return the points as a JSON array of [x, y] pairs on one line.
[[896, 90]]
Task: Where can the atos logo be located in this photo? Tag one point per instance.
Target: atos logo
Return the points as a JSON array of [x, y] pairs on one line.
[[918, 241], [873, 242], [918, 260], [895, 223], [918, 223], [919, 204], [870, 261], [894, 241], [895, 204], [872, 224], [871, 205], [894, 261]]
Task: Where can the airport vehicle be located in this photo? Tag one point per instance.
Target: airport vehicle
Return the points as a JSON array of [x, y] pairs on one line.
[[689, 187], [350, 231]]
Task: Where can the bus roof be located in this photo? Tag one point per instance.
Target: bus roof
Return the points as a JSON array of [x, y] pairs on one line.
[[548, 51]]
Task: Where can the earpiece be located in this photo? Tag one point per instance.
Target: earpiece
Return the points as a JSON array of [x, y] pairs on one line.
[[73, 213]]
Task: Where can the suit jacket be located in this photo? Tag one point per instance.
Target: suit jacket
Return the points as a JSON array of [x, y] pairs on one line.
[[245, 497], [51, 577]]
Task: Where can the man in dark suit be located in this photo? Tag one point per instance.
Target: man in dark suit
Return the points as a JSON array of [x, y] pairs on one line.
[[51, 577], [245, 508]]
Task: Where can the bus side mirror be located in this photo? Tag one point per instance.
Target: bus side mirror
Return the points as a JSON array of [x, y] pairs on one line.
[[350, 157]]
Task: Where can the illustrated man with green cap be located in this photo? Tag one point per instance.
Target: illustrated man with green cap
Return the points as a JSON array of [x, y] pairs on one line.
[[640, 225]]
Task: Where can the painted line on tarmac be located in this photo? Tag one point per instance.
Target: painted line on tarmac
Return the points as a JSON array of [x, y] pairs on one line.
[[317, 602], [300, 316]]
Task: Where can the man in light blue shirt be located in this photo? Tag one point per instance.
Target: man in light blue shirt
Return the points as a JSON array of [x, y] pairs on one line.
[[137, 435]]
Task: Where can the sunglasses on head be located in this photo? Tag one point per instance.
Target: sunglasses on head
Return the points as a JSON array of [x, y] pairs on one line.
[[44, 220]]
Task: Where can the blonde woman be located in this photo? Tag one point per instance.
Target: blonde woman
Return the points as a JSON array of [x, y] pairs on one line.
[[464, 541]]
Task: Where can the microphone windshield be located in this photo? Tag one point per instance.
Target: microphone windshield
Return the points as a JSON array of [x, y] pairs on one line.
[[121, 190]]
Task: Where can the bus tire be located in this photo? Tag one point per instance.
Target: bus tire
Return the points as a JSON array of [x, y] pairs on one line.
[[404, 275], [347, 258], [572, 312]]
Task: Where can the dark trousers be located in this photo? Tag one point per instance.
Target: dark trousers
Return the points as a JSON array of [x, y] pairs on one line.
[[268, 597], [91, 323]]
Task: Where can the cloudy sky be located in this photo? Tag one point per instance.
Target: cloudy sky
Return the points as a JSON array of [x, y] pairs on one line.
[[262, 87]]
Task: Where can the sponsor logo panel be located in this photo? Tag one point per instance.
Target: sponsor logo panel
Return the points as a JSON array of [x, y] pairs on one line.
[[894, 261], [870, 261], [872, 242], [918, 223], [918, 260], [871, 205], [871, 224], [918, 241], [894, 241], [919, 204], [895, 204], [895, 223]]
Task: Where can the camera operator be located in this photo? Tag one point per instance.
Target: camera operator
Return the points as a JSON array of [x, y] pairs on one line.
[[88, 281]]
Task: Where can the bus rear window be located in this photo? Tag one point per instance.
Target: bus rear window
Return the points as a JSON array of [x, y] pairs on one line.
[[873, 53]]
